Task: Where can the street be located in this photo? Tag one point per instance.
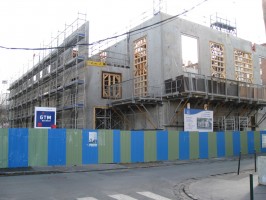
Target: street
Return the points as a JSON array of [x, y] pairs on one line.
[[140, 183]]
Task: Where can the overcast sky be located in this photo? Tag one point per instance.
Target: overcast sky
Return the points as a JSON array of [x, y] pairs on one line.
[[32, 23]]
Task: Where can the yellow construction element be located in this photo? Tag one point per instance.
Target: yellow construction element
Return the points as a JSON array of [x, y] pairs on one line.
[[140, 67], [95, 63], [243, 66], [111, 87], [218, 68]]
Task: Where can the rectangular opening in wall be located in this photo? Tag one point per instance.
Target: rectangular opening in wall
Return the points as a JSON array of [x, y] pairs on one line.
[[140, 67], [190, 54], [106, 118], [217, 60], [263, 71], [111, 87], [243, 66]]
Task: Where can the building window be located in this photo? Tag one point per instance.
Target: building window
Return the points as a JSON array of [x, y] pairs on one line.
[[111, 87], [140, 67], [190, 61], [217, 60], [243, 66]]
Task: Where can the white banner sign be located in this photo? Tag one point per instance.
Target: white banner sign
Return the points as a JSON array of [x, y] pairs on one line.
[[198, 120]]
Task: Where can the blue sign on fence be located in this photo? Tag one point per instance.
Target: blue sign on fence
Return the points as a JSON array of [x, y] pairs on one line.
[[45, 117]]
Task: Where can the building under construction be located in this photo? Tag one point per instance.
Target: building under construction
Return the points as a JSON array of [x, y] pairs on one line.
[[146, 80]]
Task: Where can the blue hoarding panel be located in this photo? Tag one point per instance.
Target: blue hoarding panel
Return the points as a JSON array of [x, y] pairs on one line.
[[220, 137], [137, 146], [56, 147], [203, 145], [236, 143], [184, 146], [262, 141], [89, 147], [162, 145], [116, 146], [17, 147], [251, 146]]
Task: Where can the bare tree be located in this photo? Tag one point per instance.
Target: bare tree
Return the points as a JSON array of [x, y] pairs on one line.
[[3, 111]]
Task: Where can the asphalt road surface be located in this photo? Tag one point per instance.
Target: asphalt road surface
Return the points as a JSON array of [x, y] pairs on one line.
[[157, 183]]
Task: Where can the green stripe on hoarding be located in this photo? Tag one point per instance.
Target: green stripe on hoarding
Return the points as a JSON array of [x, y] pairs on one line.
[[194, 145], [125, 143], [228, 143], [3, 148], [257, 141], [105, 146], [73, 147], [173, 145], [212, 144], [38, 147], [150, 153], [244, 142]]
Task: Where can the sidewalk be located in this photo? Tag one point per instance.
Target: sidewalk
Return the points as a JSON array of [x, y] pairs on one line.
[[227, 187]]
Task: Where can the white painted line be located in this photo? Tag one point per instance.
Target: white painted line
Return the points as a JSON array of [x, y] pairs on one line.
[[86, 198], [153, 196], [121, 197]]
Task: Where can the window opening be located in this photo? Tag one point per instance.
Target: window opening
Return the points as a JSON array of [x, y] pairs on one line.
[[140, 67], [190, 54], [217, 60]]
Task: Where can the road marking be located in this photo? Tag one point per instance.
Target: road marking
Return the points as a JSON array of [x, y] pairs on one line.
[[121, 197], [86, 198], [153, 196]]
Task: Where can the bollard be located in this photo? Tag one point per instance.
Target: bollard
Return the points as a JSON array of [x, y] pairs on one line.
[[251, 186], [239, 163], [255, 160]]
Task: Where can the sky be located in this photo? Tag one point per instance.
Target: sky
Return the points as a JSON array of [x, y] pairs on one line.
[[32, 23]]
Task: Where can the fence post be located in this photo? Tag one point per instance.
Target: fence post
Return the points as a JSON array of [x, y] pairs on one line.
[[251, 186], [255, 160], [239, 163]]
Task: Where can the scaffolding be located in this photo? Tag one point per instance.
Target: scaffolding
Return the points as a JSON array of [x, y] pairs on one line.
[[223, 24], [57, 80]]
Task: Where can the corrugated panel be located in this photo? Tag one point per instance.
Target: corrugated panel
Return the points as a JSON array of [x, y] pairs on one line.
[[173, 145], [73, 147], [220, 144], [203, 145], [250, 136], [162, 145], [56, 147], [257, 141], [184, 146], [194, 145], [150, 151], [228, 143], [105, 146], [125, 143], [38, 147], [212, 144], [236, 143], [89, 150], [243, 142], [263, 150], [18, 147], [116, 146], [137, 146], [3, 148]]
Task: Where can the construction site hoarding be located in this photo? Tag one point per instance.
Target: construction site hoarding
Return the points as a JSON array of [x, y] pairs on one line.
[[45, 117], [198, 120]]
